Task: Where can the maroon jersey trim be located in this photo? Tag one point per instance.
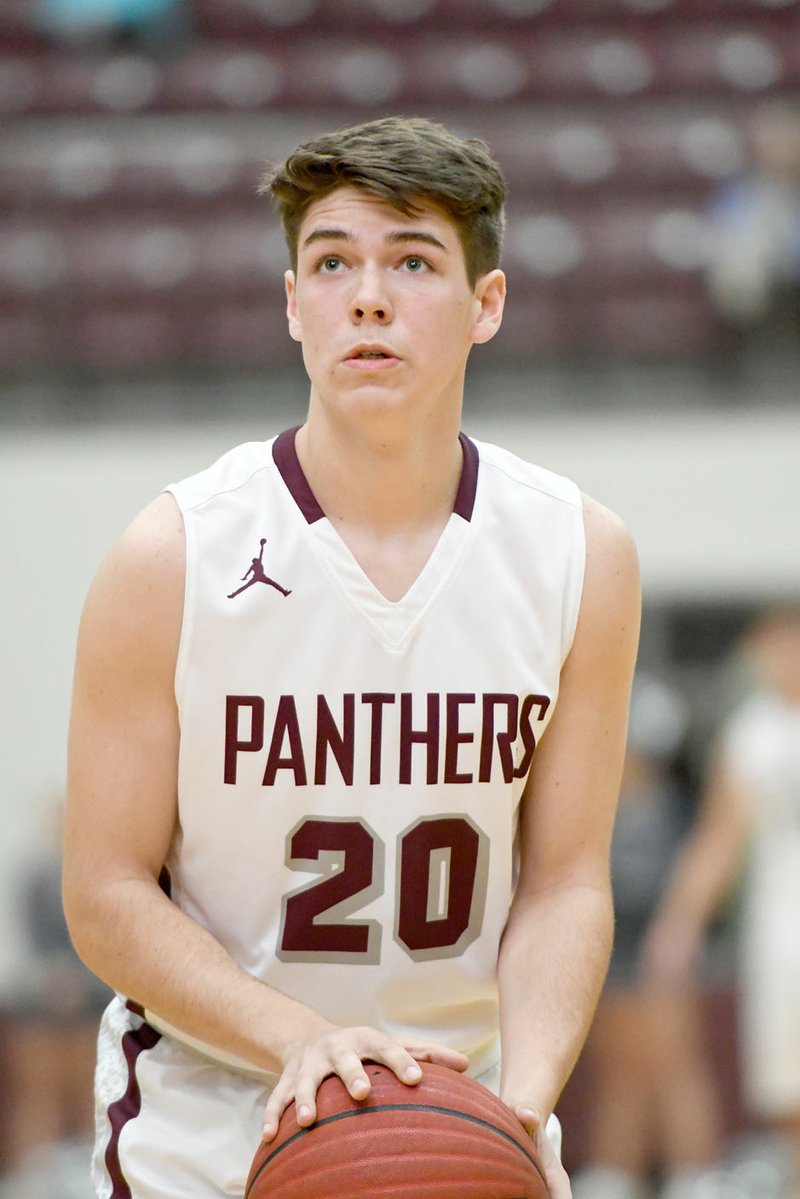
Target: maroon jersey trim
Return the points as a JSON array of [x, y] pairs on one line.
[[288, 464], [468, 484]]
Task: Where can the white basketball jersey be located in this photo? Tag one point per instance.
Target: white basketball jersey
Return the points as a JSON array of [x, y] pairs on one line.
[[351, 767], [761, 747]]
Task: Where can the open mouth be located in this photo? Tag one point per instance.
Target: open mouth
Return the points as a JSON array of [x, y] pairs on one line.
[[369, 354]]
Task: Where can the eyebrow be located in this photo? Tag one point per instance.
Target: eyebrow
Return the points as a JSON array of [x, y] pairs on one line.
[[400, 237]]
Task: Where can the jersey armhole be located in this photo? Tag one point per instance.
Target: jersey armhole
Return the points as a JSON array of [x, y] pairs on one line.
[[573, 588], [187, 621]]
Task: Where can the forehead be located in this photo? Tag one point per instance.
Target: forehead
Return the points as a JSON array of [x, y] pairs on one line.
[[357, 212]]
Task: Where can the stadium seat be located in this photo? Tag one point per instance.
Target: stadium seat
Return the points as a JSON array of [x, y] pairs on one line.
[[134, 194]]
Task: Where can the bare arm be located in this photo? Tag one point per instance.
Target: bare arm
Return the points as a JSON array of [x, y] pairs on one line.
[[705, 871], [122, 801], [121, 815], [556, 946]]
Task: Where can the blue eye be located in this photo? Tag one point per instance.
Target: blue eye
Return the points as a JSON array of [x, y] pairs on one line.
[[330, 264], [415, 264]]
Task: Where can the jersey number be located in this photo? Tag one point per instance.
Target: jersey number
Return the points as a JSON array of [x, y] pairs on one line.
[[442, 869]]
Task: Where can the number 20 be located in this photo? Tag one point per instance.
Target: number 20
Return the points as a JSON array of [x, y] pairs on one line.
[[442, 871]]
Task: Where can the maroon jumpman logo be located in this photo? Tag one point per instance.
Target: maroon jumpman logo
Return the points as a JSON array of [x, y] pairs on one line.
[[255, 574]]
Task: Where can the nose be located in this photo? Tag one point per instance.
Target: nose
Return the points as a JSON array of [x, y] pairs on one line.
[[370, 300]]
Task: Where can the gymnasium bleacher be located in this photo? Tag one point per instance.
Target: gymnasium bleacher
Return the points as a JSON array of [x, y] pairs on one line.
[[133, 242]]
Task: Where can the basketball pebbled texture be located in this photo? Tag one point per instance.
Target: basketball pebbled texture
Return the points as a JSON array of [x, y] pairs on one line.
[[447, 1137]]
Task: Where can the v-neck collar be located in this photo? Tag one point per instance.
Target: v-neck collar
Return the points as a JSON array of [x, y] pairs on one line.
[[392, 621], [284, 453]]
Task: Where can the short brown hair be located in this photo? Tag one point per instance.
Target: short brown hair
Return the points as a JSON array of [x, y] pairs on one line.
[[401, 160]]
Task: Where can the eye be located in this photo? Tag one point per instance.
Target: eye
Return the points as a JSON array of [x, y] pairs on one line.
[[329, 265], [415, 265]]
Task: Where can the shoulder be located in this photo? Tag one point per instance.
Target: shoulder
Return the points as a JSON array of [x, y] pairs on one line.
[[152, 546], [610, 611], [135, 603], [610, 548]]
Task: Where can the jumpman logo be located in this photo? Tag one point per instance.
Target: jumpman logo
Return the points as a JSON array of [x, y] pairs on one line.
[[255, 574]]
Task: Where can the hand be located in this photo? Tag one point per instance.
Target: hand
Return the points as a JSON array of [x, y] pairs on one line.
[[558, 1183], [342, 1051]]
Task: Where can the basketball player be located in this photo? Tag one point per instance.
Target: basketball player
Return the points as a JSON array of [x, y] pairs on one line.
[[363, 812]]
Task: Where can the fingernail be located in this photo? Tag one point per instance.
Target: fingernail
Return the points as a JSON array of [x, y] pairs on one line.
[[412, 1074], [303, 1112]]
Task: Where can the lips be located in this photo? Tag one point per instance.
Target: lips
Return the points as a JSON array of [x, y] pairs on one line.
[[369, 353]]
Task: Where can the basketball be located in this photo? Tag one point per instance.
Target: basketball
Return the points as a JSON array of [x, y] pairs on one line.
[[448, 1137]]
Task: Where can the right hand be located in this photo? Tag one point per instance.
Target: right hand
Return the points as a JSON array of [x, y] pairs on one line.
[[343, 1051]]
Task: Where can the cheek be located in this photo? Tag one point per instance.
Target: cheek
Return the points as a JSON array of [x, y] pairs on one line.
[[312, 321], [441, 317]]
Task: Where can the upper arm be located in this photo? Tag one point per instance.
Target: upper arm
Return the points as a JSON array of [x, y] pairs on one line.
[[123, 743], [570, 801]]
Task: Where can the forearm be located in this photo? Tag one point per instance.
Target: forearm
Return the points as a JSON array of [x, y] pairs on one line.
[[553, 961], [184, 975]]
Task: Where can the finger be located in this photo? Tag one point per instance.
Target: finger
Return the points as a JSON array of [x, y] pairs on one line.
[[558, 1185], [441, 1055], [350, 1068], [277, 1103], [306, 1112], [558, 1182], [305, 1098], [400, 1061], [528, 1118]]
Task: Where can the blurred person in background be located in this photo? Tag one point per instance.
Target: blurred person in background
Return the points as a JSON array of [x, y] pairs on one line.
[[754, 264], [106, 25], [749, 828], [54, 1019], [655, 1109]]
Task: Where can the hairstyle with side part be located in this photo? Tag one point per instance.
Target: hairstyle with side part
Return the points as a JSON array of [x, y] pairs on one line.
[[404, 161]]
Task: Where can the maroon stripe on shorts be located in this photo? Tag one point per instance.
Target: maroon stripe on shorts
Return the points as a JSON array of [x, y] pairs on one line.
[[128, 1106], [287, 462]]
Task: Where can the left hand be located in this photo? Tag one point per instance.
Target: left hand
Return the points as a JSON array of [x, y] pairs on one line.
[[555, 1175]]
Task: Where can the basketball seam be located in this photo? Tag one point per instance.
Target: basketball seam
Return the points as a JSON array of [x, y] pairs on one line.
[[395, 1107]]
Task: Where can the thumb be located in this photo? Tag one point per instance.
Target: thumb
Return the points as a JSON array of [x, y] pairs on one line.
[[536, 1124], [529, 1117]]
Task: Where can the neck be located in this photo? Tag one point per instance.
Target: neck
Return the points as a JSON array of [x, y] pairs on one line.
[[378, 475]]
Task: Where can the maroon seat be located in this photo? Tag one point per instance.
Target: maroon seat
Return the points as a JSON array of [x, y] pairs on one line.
[[28, 341], [122, 338]]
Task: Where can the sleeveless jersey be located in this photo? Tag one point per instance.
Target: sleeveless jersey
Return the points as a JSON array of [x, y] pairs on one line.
[[761, 748], [351, 768]]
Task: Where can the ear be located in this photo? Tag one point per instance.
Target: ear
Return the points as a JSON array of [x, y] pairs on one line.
[[290, 284], [489, 300]]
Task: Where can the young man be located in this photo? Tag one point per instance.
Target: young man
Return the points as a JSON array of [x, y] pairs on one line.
[[379, 788]]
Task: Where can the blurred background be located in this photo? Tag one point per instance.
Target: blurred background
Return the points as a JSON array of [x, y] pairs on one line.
[[651, 350]]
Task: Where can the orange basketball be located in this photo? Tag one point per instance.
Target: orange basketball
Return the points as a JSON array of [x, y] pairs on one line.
[[448, 1137]]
